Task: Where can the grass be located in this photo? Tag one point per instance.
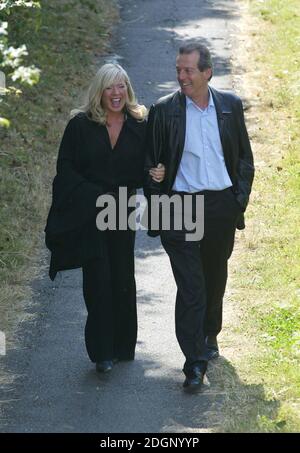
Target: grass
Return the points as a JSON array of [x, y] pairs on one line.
[[266, 275], [64, 40]]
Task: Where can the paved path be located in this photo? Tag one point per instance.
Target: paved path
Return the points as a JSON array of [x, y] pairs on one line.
[[58, 389]]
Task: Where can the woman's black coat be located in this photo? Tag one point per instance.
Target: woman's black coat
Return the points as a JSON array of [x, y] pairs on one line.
[[87, 167]]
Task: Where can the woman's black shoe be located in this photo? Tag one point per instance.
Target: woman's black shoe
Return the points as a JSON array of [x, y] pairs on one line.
[[104, 366]]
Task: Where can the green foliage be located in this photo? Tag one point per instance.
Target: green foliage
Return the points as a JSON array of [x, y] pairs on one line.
[[7, 5], [4, 122], [12, 58], [281, 328]]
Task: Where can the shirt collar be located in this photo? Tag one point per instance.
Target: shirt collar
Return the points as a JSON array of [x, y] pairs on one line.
[[211, 103]]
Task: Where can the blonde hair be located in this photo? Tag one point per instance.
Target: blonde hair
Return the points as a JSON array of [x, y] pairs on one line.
[[107, 75]]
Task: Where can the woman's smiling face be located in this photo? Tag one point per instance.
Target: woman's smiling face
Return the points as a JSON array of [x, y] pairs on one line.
[[114, 97]]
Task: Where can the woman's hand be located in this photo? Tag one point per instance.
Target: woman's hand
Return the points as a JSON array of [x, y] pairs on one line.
[[158, 173]]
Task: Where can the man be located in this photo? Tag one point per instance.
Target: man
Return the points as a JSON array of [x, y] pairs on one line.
[[200, 135]]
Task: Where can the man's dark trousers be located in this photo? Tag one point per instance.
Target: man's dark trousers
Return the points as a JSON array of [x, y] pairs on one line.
[[200, 272]]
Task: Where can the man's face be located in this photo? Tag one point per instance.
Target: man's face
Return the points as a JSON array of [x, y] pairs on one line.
[[191, 80]]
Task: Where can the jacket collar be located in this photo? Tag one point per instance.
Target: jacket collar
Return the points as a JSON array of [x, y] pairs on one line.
[[182, 100], [221, 105], [222, 108], [180, 120]]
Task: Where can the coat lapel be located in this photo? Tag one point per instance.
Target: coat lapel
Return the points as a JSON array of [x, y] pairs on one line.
[[138, 127], [222, 110], [181, 123]]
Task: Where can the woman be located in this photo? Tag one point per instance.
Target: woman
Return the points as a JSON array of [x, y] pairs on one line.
[[101, 150]]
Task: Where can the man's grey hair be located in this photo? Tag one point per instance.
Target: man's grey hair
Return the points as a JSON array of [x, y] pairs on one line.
[[204, 61]]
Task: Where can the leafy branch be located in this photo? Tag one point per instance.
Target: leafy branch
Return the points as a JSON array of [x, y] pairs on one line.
[[12, 58]]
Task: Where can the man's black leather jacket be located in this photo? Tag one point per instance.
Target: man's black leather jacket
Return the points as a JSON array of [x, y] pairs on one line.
[[166, 136]]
